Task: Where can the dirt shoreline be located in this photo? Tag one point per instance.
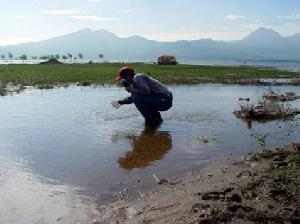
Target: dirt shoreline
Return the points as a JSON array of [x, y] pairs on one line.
[[259, 188]]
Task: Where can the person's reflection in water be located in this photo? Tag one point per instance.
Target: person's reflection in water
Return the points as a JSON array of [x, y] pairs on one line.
[[149, 146]]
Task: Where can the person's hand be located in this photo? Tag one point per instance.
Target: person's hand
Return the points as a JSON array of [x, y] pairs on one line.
[[129, 88], [115, 104]]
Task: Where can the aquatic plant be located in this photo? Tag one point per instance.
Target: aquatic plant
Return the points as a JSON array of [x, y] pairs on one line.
[[260, 138]]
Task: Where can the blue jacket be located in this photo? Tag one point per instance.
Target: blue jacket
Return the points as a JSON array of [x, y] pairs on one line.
[[147, 86]]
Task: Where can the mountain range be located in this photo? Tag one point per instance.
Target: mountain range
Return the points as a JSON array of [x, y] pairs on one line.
[[262, 44]]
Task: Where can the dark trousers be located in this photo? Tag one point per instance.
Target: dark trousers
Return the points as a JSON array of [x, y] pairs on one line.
[[149, 106]]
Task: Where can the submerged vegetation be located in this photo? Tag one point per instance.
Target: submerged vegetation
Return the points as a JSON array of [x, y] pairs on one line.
[[42, 75], [271, 106], [2, 90]]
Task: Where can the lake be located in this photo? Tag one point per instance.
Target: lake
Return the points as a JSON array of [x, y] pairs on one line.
[[66, 151], [282, 65]]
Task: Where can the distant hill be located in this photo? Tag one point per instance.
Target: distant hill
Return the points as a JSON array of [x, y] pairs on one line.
[[262, 44]]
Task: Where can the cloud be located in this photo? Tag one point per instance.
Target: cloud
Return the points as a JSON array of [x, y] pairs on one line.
[[234, 18], [288, 29], [23, 17], [128, 11], [94, 18], [95, 0], [293, 25], [292, 17], [252, 26], [193, 36], [56, 12]]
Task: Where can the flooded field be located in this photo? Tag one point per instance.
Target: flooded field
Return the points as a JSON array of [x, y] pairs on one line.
[[64, 152]]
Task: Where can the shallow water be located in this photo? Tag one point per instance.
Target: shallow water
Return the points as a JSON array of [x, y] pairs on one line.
[[66, 151]]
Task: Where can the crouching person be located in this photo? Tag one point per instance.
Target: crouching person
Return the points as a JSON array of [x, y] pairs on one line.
[[148, 95]]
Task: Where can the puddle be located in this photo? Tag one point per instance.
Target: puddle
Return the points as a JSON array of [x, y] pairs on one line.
[[66, 151]]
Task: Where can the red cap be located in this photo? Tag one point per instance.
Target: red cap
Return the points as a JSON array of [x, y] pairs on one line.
[[123, 72]]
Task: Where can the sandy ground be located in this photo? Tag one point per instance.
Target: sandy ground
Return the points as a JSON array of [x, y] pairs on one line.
[[248, 190]]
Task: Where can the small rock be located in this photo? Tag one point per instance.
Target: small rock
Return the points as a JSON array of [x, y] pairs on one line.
[[215, 195], [237, 207], [278, 158], [275, 193], [279, 164], [85, 84], [253, 164], [203, 209], [244, 173], [234, 197], [296, 146], [244, 99]]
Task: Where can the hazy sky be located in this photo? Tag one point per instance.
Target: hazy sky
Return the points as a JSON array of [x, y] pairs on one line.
[[31, 20]]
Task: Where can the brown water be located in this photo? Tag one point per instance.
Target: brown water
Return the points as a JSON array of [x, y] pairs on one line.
[[64, 152]]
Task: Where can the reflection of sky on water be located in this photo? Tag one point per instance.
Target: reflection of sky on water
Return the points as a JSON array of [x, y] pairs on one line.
[[26, 198], [66, 147]]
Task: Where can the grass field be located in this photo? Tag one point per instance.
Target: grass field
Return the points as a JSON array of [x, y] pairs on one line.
[[43, 75]]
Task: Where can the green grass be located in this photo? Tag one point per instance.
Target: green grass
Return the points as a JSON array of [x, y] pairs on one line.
[[104, 73], [290, 174], [295, 160], [293, 171]]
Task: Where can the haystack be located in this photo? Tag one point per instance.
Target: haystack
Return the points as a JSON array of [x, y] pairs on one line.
[[167, 60], [51, 61]]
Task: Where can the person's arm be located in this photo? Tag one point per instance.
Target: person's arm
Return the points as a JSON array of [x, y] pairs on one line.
[[127, 100]]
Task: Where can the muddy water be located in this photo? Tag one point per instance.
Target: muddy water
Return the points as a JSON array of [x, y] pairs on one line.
[[64, 152]]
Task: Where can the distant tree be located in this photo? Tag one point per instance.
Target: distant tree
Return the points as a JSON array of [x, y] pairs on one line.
[[10, 55], [64, 57], [34, 57], [2, 56], [23, 57], [70, 56], [101, 56], [80, 56], [57, 56], [44, 57], [75, 58]]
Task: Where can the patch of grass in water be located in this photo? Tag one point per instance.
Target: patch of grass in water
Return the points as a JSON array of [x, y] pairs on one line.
[[260, 138]]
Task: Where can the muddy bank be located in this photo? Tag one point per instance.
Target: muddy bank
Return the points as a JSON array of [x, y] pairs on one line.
[[259, 188], [12, 88]]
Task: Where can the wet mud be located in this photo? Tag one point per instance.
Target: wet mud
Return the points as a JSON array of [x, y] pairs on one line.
[[260, 188]]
